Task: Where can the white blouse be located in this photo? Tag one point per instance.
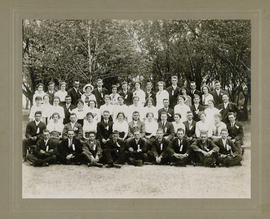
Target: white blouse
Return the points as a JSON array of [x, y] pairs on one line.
[[203, 126], [177, 126], [61, 94], [210, 114], [95, 112], [57, 109], [114, 98], [120, 126], [182, 110], [46, 110], [160, 96], [218, 127], [141, 94], [151, 127], [117, 109], [38, 94], [90, 97], [108, 107], [52, 126], [89, 127], [80, 113], [151, 109]]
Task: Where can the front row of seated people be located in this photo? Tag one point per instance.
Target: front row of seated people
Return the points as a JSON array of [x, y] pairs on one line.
[[112, 143]]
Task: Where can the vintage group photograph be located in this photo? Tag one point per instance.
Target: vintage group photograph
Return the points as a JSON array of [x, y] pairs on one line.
[[136, 108]]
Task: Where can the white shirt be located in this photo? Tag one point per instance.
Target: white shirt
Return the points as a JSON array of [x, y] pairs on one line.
[[177, 126], [108, 107], [38, 94], [89, 127], [61, 94], [203, 126], [46, 110], [182, 110], [132, 108], [151, 127], [33, 110], [90, 97], [52, 126], [160, 96], [120, 126], [58, 109], [141, 94], [120, 108], [151, 109], [80, 113]]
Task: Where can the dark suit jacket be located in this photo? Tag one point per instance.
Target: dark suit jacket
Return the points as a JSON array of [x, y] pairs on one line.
[[218, 98], [77, 130], [100, 96], [190, 131], [64, 150], [51, 96], [117, 146], [74, 95], [156, 148], [87, 145], [103, 130], [168, 129], [224, 112], [196, 116], [223, 150], [67, 113], [128, 97], [132, 144], [41, 146], [31, 129], [209, 145], [152, 94], [170, 114], [236, 132], [173, 95], [182, 148]]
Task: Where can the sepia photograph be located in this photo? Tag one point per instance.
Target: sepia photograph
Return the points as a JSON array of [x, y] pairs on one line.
[[115, 108]]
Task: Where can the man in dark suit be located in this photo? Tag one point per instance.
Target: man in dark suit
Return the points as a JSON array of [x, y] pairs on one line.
[[126, 94], [34, 130], [190, 126], [92, 151], [174, 91], [229, 154], [196, 108], [45, 152], [70, 150], [137, 149], [104, 129], [149, 93], [180, 149], [169, 111], [218, 93], [167, 127], [67, 108], [227, 107], [99, 93], [205, 151], [75, 92], [73, 125], [114, 151], [160, 151], [193, 90], [51, 91]]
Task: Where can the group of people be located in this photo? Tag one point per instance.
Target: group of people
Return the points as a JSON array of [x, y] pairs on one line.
[[172, 126]]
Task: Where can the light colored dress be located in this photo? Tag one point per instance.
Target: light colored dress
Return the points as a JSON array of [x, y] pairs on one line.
[[182, 110], [151, 109], [90, 97], [151, 127], [61, 94], [178, 125], [205, 127], [160, 96], [141, 94]]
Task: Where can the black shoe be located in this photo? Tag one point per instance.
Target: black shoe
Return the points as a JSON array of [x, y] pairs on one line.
[[116, 165], [95, 165], [147, 163], [78, 163], [45, 164], [110, 165]]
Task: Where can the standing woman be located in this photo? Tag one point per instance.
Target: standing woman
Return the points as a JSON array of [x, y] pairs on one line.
[[150, 108], [46, 108], [121, 125], [187, 98], [89, 125], [39, 92], [80, 111], [203, 126], [206, 95], [88, 95], [55, 126], [56, 108], [62, 93]]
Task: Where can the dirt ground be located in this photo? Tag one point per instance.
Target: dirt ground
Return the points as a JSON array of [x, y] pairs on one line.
[[61, 181]]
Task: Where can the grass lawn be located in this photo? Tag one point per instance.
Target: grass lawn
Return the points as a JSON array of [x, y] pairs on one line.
[[61, 181]]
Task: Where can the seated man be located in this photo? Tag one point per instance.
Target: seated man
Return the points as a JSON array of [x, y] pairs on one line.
[[180, 149], [114, 151], [34, 130], [104, 129], [229, 154], [190, 126], [166, 109], [137, 149], [160, 151], [235, 129], [167, 127], [73, 125], [45, 152], [205, 151], [92, 151], [136, 123], [70, 149]]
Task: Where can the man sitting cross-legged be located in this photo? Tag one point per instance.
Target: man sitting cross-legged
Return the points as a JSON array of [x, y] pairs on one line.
[[45, 152], [114, 151], [70, 149], [180, 149], [137, 149], [92, 151], [229, 154], [160, 150], [205, 151]]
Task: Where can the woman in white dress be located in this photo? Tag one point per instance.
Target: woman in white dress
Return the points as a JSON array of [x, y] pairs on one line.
[[89, 125], [88, 95], [161, 95], [151, 127], [80, 111], [218, 126], [177, 122], [92, 109], [203, 126], [139, 93], [39, 92], [46, 108], [181, 108], [121, 125], [121, 107], [56, 108], [55, 126], [62, 93], [210, 112], [206, 95], [150, 108]]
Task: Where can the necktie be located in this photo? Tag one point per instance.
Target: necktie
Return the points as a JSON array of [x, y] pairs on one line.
[[47, 146]]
